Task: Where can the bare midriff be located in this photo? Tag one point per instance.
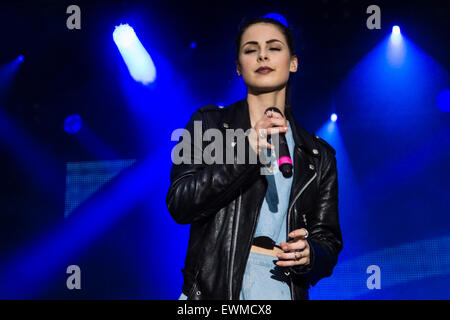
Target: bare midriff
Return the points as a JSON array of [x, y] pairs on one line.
[[270, 252]]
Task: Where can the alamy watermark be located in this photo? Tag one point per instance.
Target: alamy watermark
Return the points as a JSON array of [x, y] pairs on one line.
[[74, 280], [374, 20], [374, 280], [74, 20], [229, 149]]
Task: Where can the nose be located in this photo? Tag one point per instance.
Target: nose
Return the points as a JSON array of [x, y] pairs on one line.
[[262, 56]]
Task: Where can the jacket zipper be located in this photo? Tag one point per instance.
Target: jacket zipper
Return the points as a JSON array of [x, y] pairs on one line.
[[234, 245], [289, 220], [233, 249]]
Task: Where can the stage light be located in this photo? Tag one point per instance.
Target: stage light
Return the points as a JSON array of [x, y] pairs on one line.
[[193, 44], [396, 50], [396, 35], [334, 117], [20, 58], [396, 30], [124, 36], [137, 59], [278, 17], [72, 124]]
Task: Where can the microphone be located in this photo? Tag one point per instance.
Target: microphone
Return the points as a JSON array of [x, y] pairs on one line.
[[282, 152]]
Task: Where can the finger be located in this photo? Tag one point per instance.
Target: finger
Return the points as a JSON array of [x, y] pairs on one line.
[[299, 233], [272, 114], [290, 263], [262, 132], [265, 145], [294, 254], [276, 122], [276, 130], [269, 114], [272, 119], [290, 255], [295, 245]]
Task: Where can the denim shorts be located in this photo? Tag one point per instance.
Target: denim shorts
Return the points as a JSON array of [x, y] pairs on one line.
[[263, 280]]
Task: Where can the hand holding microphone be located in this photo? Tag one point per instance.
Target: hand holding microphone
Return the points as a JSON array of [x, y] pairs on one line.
[[282, 150], [273, 123]]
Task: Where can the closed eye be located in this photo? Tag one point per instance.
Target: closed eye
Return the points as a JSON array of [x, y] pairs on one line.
[[276, 49]]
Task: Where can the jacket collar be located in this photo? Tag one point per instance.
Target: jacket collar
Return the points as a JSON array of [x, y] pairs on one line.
[[238, 116]]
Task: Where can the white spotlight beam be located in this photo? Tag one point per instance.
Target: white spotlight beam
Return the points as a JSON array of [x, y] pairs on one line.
[[137, 59]]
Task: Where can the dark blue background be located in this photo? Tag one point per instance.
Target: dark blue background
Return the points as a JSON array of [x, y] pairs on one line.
[[392, 140]]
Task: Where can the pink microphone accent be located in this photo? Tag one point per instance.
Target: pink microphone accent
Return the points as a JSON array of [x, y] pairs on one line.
[[283, 160]]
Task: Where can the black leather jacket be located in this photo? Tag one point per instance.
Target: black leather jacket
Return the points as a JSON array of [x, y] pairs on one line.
[[222, 203]]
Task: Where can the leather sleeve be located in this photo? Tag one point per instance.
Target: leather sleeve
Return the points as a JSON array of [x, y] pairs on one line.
[[199, 190], [325, 239]]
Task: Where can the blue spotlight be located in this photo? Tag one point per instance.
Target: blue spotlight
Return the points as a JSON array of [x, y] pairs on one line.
[[20, 58], [72, 124], [278, 17], [396, 30], [396, 50], [396, 35], [443, 100], [137, 59], [193, 44], [334, 117]]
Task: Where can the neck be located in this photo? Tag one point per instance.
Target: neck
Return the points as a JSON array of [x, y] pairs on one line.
[[258, 103]]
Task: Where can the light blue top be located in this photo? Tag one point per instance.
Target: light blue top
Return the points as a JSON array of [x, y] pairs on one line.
[[272, 217]]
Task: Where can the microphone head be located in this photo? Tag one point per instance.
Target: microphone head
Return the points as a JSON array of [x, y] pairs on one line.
[[286, 170]]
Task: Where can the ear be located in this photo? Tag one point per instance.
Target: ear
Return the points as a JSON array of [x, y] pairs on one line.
[[294, 64], [238, 68]]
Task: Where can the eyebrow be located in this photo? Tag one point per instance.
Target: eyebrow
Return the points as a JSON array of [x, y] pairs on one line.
[[254, 42]]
